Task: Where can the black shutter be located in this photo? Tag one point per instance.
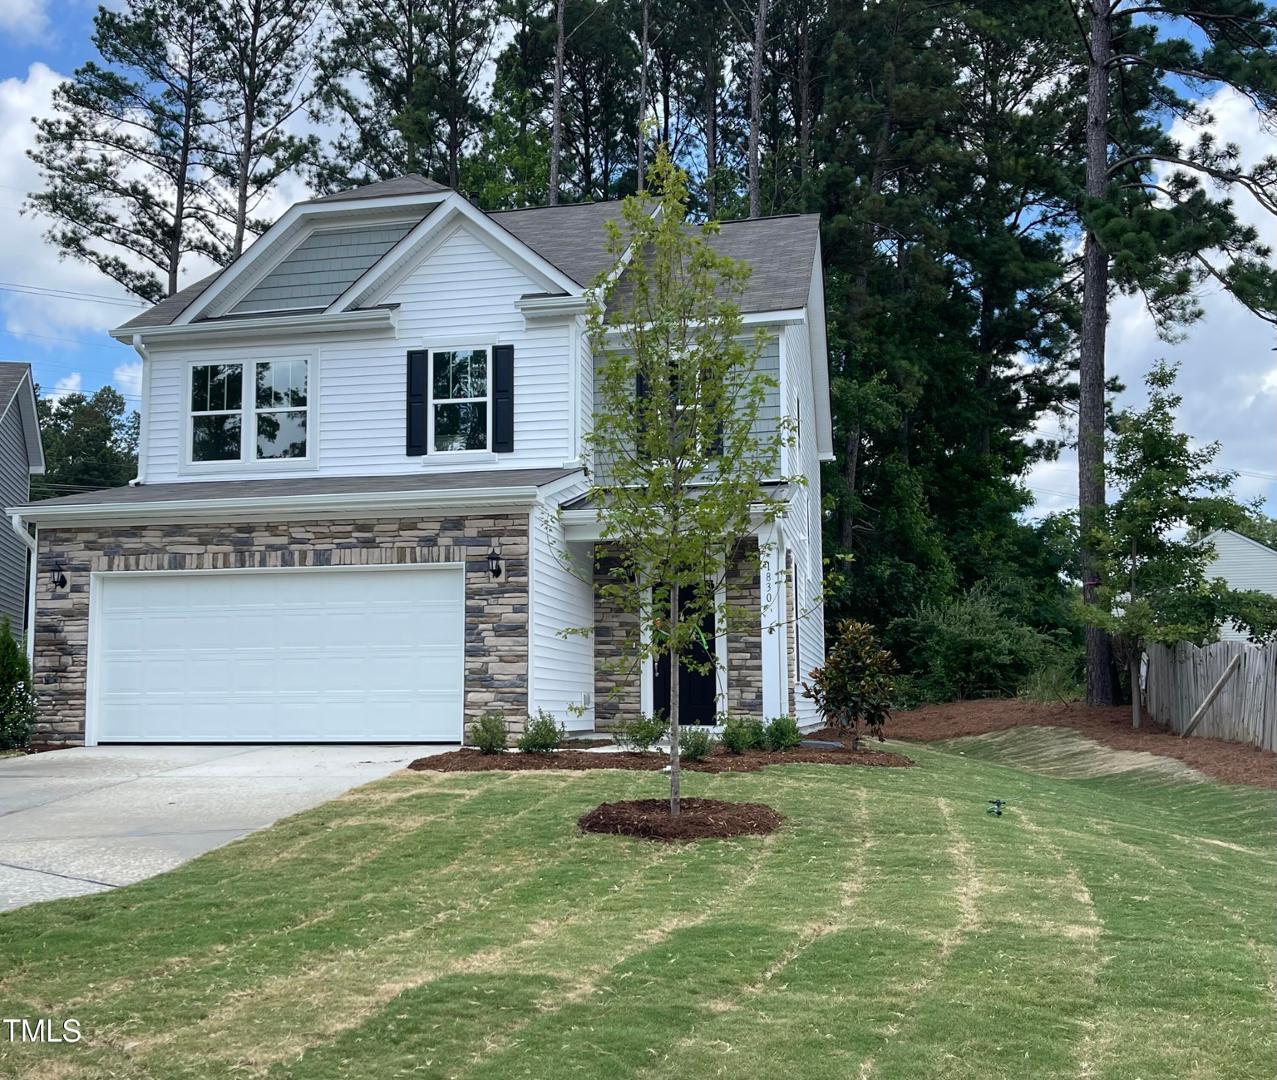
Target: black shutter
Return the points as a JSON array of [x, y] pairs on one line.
[[503, 399], [418, 383]]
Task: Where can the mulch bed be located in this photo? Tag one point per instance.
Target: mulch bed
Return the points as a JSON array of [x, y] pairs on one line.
[[1234, 763], [719, 761], [698, 819]]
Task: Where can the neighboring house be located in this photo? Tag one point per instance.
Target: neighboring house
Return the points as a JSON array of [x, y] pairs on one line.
[[1243, 563], [21, 454], [354, 443]]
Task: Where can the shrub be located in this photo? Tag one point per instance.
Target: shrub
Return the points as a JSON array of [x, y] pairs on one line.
[[542, 735], [488, 733], [642, 733], [695, 743], [17, 702], [782, 733], [1058, 679], [741, 733], [970, 646], [855, 684]]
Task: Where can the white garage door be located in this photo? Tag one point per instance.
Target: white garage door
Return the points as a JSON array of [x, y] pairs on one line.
[[370, 655]]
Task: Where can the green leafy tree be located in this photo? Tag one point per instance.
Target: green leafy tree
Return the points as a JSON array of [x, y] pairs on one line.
[[678, 465], [853, 688], [122, 156], [90, 441], [17, 701], [1155, 575], [1158, 210]]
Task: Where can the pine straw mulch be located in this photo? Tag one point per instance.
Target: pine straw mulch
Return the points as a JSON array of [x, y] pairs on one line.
[[1234, 763], [698, 819], [719, 760]]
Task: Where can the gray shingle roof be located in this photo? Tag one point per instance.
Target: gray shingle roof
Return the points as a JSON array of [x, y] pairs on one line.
[[780, 251], [11, 375], [294, 486], [571, 237], [409, 184]]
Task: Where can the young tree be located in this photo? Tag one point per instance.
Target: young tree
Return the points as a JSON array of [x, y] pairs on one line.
[[122, 157], [1156, 585], [1150, 225], [265, 50], [678, 464], [90, 441]]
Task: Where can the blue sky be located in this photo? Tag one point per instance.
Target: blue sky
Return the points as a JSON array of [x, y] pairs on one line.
[[1228, 363]]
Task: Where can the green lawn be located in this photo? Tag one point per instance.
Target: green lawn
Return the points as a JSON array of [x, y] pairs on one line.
[[1112, 924]]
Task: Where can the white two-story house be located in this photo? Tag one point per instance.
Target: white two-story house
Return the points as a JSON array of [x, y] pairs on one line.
[[356, 442]]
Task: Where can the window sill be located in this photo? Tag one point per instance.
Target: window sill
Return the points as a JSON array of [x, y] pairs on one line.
[[225, 469], [460, 458]]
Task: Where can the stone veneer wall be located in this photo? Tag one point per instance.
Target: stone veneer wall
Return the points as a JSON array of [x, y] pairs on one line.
[[496, 646], [617, 682]]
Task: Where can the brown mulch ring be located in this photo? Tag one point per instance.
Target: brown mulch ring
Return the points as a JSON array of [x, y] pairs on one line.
[[1234, 763], [719, 761], [698, 819]]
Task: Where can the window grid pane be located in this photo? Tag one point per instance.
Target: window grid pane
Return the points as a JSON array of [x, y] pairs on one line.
[[217, 388], [281, 384], [281, 434]]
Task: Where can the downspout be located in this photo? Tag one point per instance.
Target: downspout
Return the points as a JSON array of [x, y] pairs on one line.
[[140, 349], [19, 527]]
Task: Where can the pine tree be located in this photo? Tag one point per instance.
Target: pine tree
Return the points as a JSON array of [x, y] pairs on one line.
[[265, 51], [123, 157], [1152, 227]]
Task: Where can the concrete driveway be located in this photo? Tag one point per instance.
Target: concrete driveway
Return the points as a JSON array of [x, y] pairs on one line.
[[93, 818]]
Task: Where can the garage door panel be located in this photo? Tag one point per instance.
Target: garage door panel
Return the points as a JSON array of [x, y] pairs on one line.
[[329, 655]]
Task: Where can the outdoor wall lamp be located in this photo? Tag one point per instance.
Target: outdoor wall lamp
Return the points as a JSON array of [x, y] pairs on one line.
[[494, 560], [58, 578]]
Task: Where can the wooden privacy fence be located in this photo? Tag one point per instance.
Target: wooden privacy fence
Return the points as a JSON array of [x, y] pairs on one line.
[[1180, 676]]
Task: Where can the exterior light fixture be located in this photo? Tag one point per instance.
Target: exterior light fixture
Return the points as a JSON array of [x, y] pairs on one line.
[[58, 578], [494, 560]]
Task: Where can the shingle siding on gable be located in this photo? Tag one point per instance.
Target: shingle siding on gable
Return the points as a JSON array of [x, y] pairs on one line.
[[15, 481], [322, 267]]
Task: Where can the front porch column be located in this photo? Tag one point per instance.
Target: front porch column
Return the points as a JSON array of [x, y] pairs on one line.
[[771, 595]]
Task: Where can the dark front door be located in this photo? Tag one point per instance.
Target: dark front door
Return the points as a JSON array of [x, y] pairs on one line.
[[697, 696]]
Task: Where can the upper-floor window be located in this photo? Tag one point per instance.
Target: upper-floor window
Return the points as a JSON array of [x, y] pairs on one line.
[[267, 423], [459, 400]]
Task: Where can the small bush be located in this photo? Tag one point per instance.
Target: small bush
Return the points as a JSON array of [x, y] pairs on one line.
[[695, 743], [17, 702], [970, 646], [855, 684], [741, 733], [782, 733], [488, 733], [542, 735], [642, 733], [1059, 679]]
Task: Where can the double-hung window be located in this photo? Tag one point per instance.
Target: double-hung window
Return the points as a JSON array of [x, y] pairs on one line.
[[460, 400], [258, 411]]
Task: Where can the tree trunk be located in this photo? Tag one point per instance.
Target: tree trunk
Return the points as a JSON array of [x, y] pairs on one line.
[[804, 110], [674, 753], [556, 106], [711, 134], [642, 102], [756, 106], [1090, 445]]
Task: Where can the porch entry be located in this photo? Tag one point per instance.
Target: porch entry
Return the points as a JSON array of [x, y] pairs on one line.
[[697, 690]]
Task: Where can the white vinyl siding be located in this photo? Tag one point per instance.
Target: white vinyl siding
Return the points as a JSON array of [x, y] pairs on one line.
[[1244, 564], [463, 293], [561, 666], [803, 523]]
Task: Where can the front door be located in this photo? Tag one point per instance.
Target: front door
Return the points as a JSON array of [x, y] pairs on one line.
[[697, 690]]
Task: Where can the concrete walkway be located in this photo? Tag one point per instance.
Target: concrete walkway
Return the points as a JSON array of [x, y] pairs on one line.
[[93, 818]]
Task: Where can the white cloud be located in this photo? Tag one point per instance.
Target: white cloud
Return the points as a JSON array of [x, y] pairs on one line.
[[23, 20], [1228, 366], [127, 378], [68, 384]]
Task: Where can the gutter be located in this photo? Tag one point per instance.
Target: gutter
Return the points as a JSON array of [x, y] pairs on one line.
[[143, 442], [361, 320], [269, 507]]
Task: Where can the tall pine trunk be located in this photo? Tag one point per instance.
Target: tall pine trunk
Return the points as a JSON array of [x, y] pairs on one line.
[[675, 806], [1090, 444], [711, 134], [642, 102], [756, 106], [556, 107]]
